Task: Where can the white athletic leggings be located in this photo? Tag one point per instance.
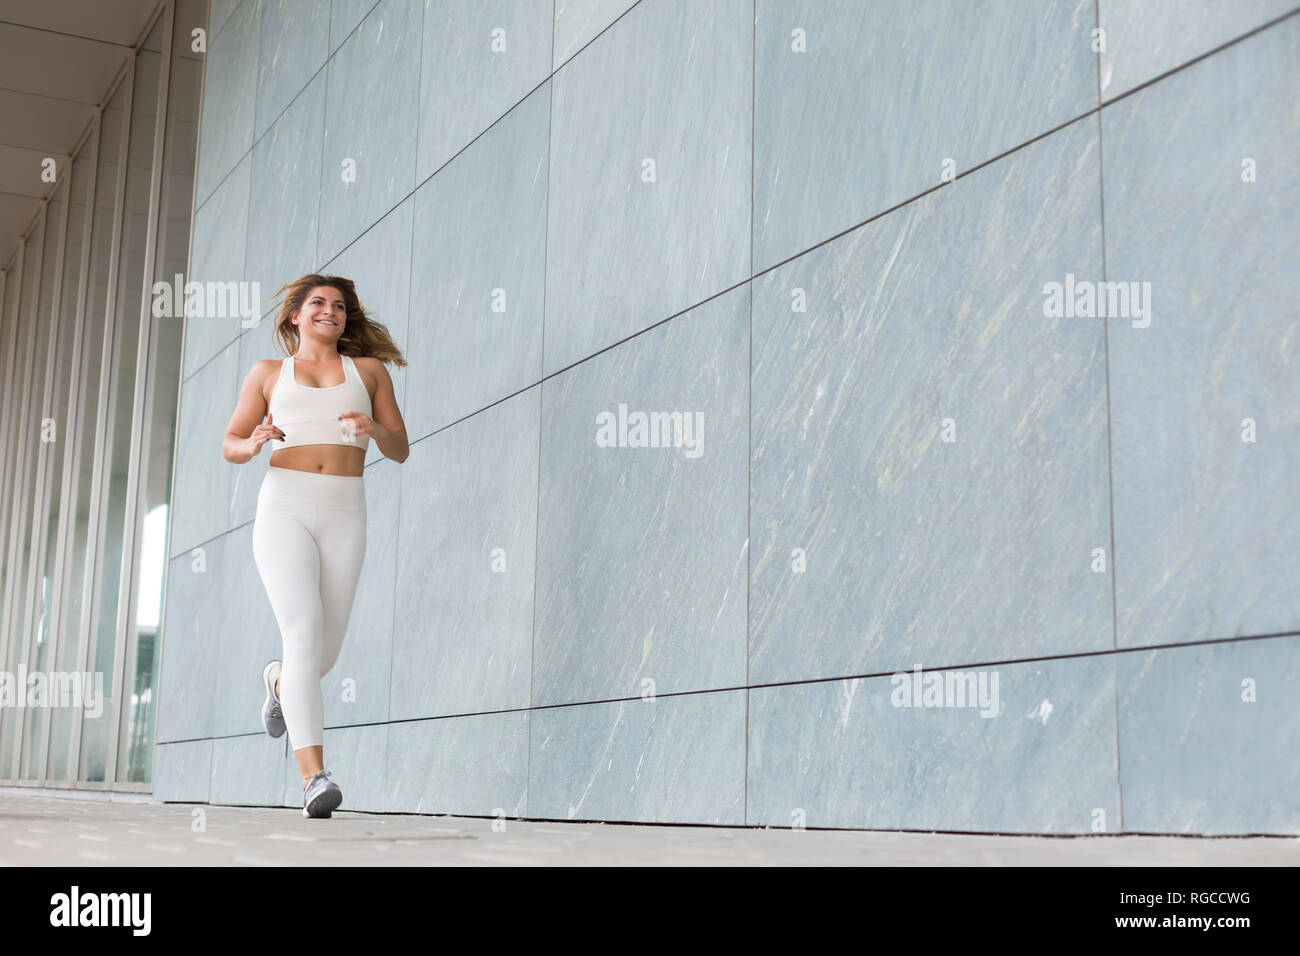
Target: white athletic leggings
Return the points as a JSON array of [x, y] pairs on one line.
[[309, 541]]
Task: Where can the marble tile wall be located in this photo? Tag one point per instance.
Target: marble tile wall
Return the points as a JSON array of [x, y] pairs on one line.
[[754, 478]]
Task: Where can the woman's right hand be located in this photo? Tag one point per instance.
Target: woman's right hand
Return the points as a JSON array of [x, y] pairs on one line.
[[262, 433]]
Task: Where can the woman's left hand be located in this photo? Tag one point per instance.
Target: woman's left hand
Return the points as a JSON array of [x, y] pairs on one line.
[[358, 423]]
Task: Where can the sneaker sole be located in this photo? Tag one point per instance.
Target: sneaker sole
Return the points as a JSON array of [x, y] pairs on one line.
[[323, 804], [270, 694]]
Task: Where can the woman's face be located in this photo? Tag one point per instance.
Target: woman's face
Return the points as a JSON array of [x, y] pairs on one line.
[[323, 315]]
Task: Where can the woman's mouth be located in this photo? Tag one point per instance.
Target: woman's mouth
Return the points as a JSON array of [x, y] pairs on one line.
[[329, 323]]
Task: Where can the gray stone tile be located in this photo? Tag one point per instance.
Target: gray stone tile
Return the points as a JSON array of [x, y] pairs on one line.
[[1145, 38], [1207, 525], [623, 252], [379, 264], [293, 38], [220, 231], [344, 17], [356, 689], [477, 288], [478, 60], [248, 636], [191, 641], [286, 193], [476, 764], [229, 97], [248, 771], [662, 760], [201, 484], [371, 104], [837, 136], [877, 543], [1209, 738], [467, 535], [183, 771], [642, 552], [577, 22], [853, 753]]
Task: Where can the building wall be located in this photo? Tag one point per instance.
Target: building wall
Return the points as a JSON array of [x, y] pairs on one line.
[[739, 211]]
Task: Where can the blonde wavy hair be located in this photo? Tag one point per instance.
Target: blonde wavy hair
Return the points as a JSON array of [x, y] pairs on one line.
[[363, 335]]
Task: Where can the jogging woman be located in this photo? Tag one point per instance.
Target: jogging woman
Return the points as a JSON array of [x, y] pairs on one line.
[[319, 407]]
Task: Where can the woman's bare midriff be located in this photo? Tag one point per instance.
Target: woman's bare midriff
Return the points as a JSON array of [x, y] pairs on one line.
[[321, 459]]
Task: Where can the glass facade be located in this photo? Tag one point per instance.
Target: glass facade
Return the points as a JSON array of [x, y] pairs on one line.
[[90, 370]]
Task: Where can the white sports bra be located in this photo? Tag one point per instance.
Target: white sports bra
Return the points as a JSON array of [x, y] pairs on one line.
[[309, 416]]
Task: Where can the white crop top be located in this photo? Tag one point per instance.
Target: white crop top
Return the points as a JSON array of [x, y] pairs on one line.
[[309, 416]]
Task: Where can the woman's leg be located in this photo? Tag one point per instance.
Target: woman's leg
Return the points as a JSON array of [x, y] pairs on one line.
[[341, 536], [289, 563]]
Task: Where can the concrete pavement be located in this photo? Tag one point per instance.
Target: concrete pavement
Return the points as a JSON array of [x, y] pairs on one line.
[[44, 830]]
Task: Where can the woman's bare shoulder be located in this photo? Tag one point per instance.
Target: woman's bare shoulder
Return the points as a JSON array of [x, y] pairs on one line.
[[263, 373], [372, 366]]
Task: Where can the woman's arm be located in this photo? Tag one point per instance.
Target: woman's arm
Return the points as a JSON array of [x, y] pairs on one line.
[[243, 437], [388, 428]]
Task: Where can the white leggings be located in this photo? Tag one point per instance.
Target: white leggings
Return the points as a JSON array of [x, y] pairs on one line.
[[309, 541]]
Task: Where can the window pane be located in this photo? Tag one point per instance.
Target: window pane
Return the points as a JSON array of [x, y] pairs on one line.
[[135, 759], [31, 360], [47, 448], [115, 509]]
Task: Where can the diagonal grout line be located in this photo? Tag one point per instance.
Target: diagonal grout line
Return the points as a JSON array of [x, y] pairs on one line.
[[1144, 649], [478, 136], [1194, 60], [796, 255]]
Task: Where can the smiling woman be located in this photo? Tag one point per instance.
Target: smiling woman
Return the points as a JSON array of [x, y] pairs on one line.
[[322, 404]]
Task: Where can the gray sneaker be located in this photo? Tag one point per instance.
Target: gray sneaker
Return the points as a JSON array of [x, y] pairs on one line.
[[321, 796], [272, 716]]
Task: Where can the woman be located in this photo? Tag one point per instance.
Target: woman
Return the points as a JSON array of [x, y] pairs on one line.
[[321, 406]]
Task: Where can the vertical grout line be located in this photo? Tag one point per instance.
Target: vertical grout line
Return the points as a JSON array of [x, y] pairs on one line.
[[1110, 463], [541, 385], [401, 481], [316, 253], [749, 419]]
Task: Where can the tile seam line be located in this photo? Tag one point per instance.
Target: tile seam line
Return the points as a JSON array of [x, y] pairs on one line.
[[1145, 84], [749, 390], [1026, 835], [1110, 454], [555, 71], [257, 86], [690, 308], [789, 683], [537, 500], [1104, 104], [658, 322], [330, 56], [401, 475]]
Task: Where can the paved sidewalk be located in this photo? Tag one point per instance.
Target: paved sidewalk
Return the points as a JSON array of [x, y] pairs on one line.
[[42, 830]]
